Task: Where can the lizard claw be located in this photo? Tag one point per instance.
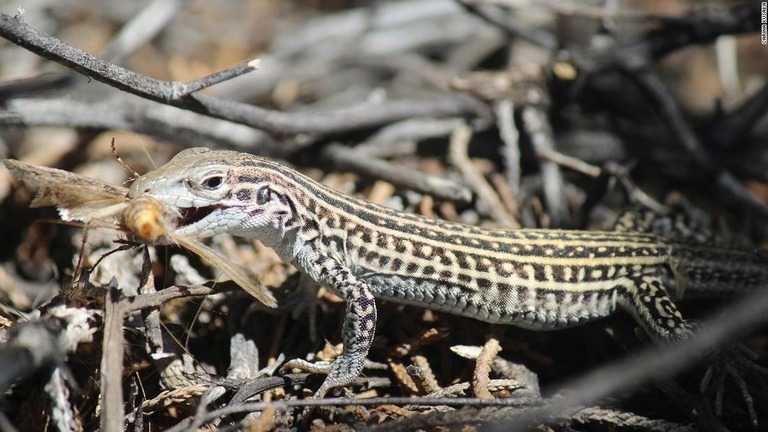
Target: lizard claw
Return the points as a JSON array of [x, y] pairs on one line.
[[733, 362], [321, 367]]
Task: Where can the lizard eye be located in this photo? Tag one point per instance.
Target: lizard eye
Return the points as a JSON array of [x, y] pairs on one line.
[[263, 195], [213, 182]]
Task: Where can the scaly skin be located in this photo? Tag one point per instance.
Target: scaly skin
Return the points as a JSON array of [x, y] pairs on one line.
[[532, 278]]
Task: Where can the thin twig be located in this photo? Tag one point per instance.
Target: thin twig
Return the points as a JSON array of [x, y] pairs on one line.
[[483, 367], [32, 85], [111, 398], [352, 159], [496, 16], [427, 380], [537, 127], [730, 131], [18, 32], [142, 27], [180, 94], [570, 162], [670, 114], [127, 112], [510, 151], [190, 424], [158, 298], [152, 321], [458, 156], [399, 139]]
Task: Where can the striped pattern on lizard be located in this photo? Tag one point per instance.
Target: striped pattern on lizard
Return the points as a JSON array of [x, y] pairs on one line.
[[532, 278]]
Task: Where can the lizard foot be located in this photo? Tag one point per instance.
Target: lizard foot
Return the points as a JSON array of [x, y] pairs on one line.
[[733, 362], [341, 371], [321, 367]]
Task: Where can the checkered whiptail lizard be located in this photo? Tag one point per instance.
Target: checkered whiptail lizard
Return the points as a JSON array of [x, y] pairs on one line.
[[532, 278]]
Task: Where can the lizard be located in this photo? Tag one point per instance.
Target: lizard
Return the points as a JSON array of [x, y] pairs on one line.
[[538, 279]]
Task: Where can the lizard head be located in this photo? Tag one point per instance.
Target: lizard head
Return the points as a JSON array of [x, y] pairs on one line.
[[215, 192]]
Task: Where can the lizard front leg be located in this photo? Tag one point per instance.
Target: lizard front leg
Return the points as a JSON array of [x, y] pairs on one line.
[[357, 332]]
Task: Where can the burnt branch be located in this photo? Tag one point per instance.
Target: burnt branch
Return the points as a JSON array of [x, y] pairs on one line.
[[661, 99], [731, 130]]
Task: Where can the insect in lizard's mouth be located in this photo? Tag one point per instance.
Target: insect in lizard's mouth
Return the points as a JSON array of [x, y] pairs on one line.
[[192, 215]]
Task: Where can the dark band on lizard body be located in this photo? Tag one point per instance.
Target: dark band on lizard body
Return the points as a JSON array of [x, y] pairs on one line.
[[532, 278]]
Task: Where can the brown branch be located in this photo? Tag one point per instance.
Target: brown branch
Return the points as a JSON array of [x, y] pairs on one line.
[[181, 94], [480, 377]]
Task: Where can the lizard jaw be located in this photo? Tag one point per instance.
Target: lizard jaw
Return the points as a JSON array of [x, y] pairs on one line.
[[192, 215]]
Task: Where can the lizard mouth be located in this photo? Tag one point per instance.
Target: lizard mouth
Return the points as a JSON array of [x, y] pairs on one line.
[[192, 215]]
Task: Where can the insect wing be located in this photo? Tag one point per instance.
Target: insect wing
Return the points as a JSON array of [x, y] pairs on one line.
[[78, 197], [246, 279]]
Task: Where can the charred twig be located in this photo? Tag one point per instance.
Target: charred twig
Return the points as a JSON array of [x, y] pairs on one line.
[[686, 402], [691, 29], [15, 30], [729, 132], [188, 424], [662, 100], [698, 29]]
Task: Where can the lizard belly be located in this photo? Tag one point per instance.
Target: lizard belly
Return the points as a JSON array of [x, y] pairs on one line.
[[517, 305]]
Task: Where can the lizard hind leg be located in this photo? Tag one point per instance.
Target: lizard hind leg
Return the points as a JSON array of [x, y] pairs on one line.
[[681, 222], [652, 307], [660, 318]]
